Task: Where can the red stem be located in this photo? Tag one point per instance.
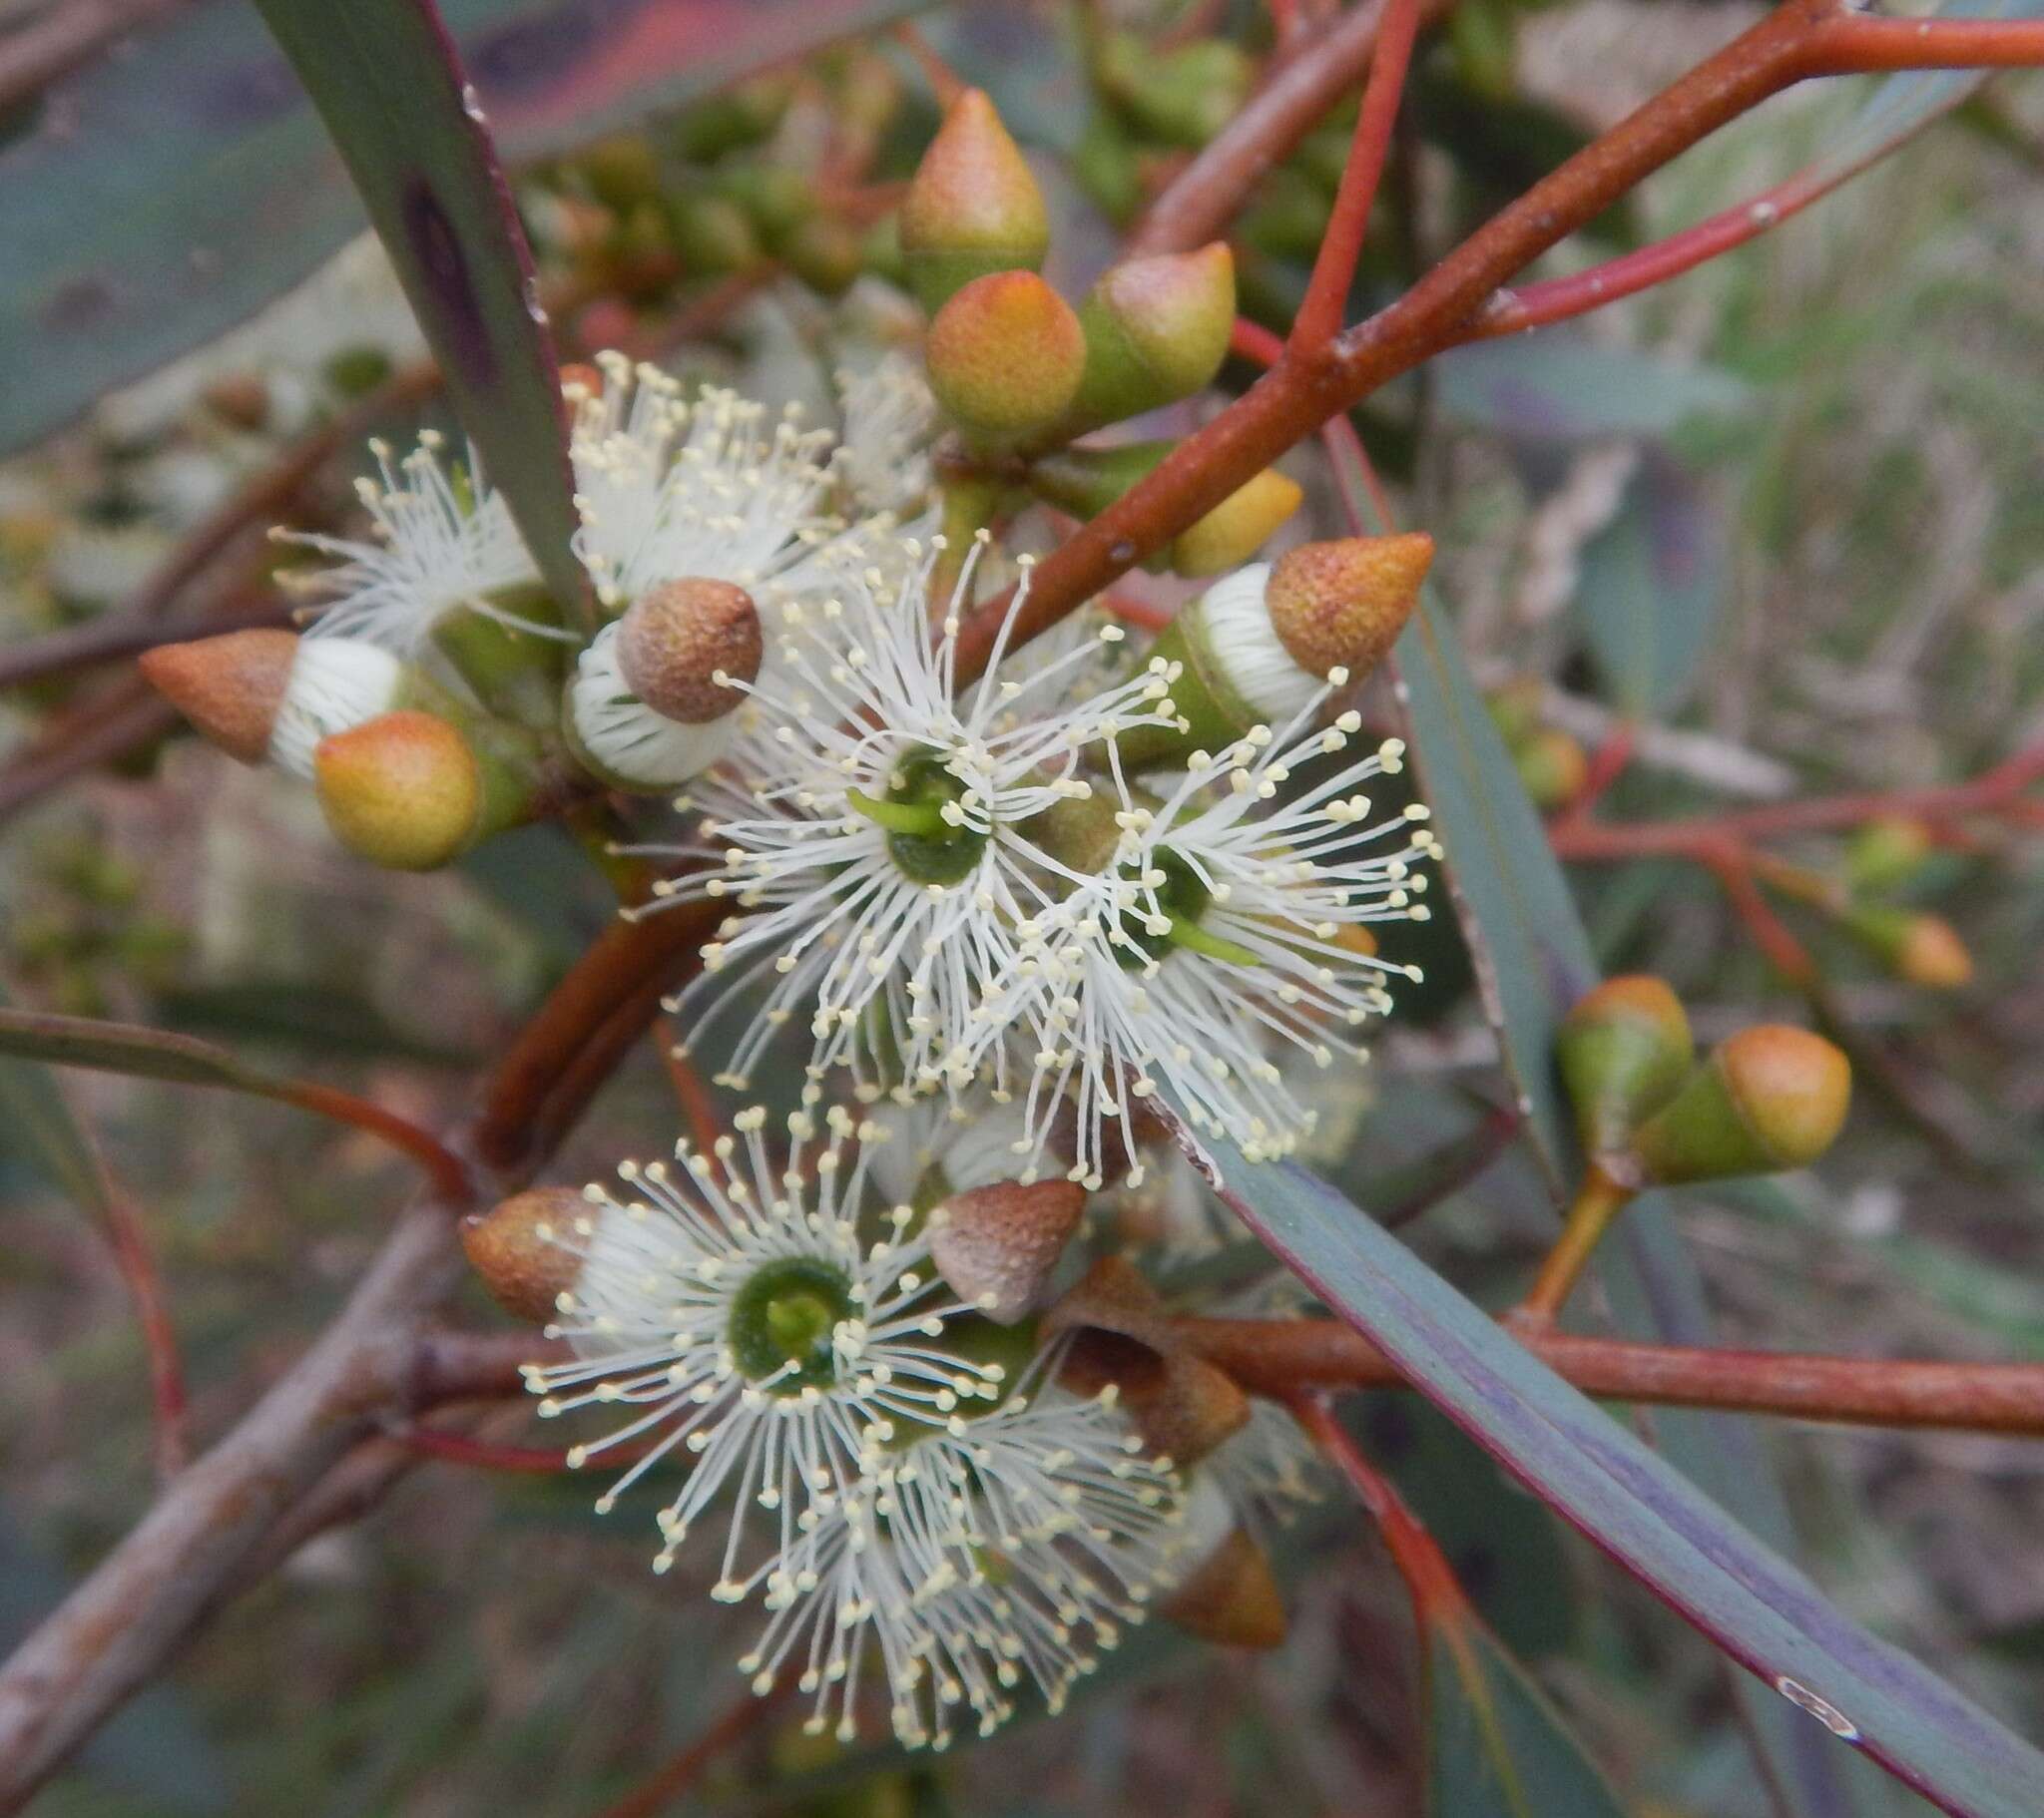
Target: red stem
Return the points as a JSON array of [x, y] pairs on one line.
[[136, 1263], [1320, 314], [447, 1171], [680, 1774], [465, 1448]]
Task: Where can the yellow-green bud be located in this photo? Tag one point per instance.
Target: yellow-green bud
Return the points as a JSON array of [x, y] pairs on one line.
[[1238, 527], [775, 198], [1917, 947], [1156, 331], [1515, 709], [517, 1249], [712, 235], [826, 254], [972, 207], [1107, 167], [740, 116], [1005, 355], [402, 790], [1766, 1100], [1624, 1051], [1886, 853], [1552, 768], [621, 170]]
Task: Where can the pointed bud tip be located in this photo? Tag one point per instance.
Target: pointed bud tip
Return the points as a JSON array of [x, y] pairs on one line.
[[973, 206], [1932, 955], [1343, 603], [1634, 997], [228, 687], [525, 1269], [1158, 330], [677, 638], [1005, 355], [997, 1245], [1623, 1049], [1791, 1088], [402, 790], [1231, 1597]]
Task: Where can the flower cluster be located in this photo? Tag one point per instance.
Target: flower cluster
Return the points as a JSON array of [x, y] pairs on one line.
[[902, 1471]]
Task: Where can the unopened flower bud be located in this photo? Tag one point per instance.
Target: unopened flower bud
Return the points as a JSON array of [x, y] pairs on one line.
[[973, 207], [775, 198], [712, 235], [1552, 768], [1766, 1100], [1156, 331], [1005, 355], [517, 1249], [1231, 1595], [1238, 527], [997, 1245], [1624, 1051], [826, 252], [402, 790], [1261, 644], [1919, 948], [1184, 95], [1515, 708], [1886, 853], [274, 695], [621, 170], [742, 115]]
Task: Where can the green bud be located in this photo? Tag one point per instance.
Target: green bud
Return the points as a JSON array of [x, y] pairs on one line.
[[712, 235], [1107, 167], [1886, 853], [826, 254], [512, 671], [973, 207], [1157, 331], [354, 372], [622, 171], [1552, 768], [1212, 710], [1515, 709], [1086, 481], [881, 249], [1286, 217], [1184, 95], [775, 199], [1624, 1051], [1919, 948], [740, 116], [1766, 1100]]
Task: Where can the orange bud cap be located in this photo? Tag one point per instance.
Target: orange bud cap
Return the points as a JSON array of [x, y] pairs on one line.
[[682, 645], [1343, 603], [1792, 1089], [1932, 955], [1231, 1597], [402, 790], [228, 687], [515, 1247], [1005, 355]]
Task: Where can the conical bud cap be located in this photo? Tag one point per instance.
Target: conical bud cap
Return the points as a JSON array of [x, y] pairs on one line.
[[230, 688], [516, 1249], [997, 1245], [683, 645], [1343, 603]]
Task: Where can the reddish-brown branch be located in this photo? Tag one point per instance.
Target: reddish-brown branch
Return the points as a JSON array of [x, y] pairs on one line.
[[1995, 791], [137, 1263], [1772, 936], [110, 637], [118, 719], [1280, 1358], [1325, 305], [447, 1171], [1436, 1595], [465, 1448]]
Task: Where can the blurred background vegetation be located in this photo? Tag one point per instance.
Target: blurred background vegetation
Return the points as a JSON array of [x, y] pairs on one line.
[[1819, 457]]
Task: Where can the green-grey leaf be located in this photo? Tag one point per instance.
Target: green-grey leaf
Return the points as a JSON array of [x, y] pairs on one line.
[[1650, 1518], [1495, 1746], [384, 77], [1562, 388], [1650, 586]]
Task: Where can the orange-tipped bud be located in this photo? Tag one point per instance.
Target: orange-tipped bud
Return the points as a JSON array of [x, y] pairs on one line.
[[402, 790], [997, 1245], [682, 645], [1552, 768], [1156, 331], [1238, 527], [230, 688], [1343, 603], [973, 207], [1005, 355], [1231, 1597], [1769, 1098], [1624, 1051], [1917, 947], [1887, 852], [516, 1249]]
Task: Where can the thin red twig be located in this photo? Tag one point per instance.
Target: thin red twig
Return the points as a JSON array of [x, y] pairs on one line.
[[1327, 295], [681, 1773], [137, 1263], [466, 1449]]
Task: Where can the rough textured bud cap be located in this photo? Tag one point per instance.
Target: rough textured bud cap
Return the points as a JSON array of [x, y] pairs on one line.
[[1005, 355], [1624, 1051], [1231, 1597], [997, 1245], [402, 790], [1341, 604], [514, 1249], [229, 686], [676, 639], [1769, 1098], [1236, 528], [1157, 331], [973, 207]]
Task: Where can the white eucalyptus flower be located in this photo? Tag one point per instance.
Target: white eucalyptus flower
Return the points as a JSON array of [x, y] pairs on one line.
[[990, 1552], [876, 824], [745, 1314], [890, 420], [1229, 925], [442, 541]]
